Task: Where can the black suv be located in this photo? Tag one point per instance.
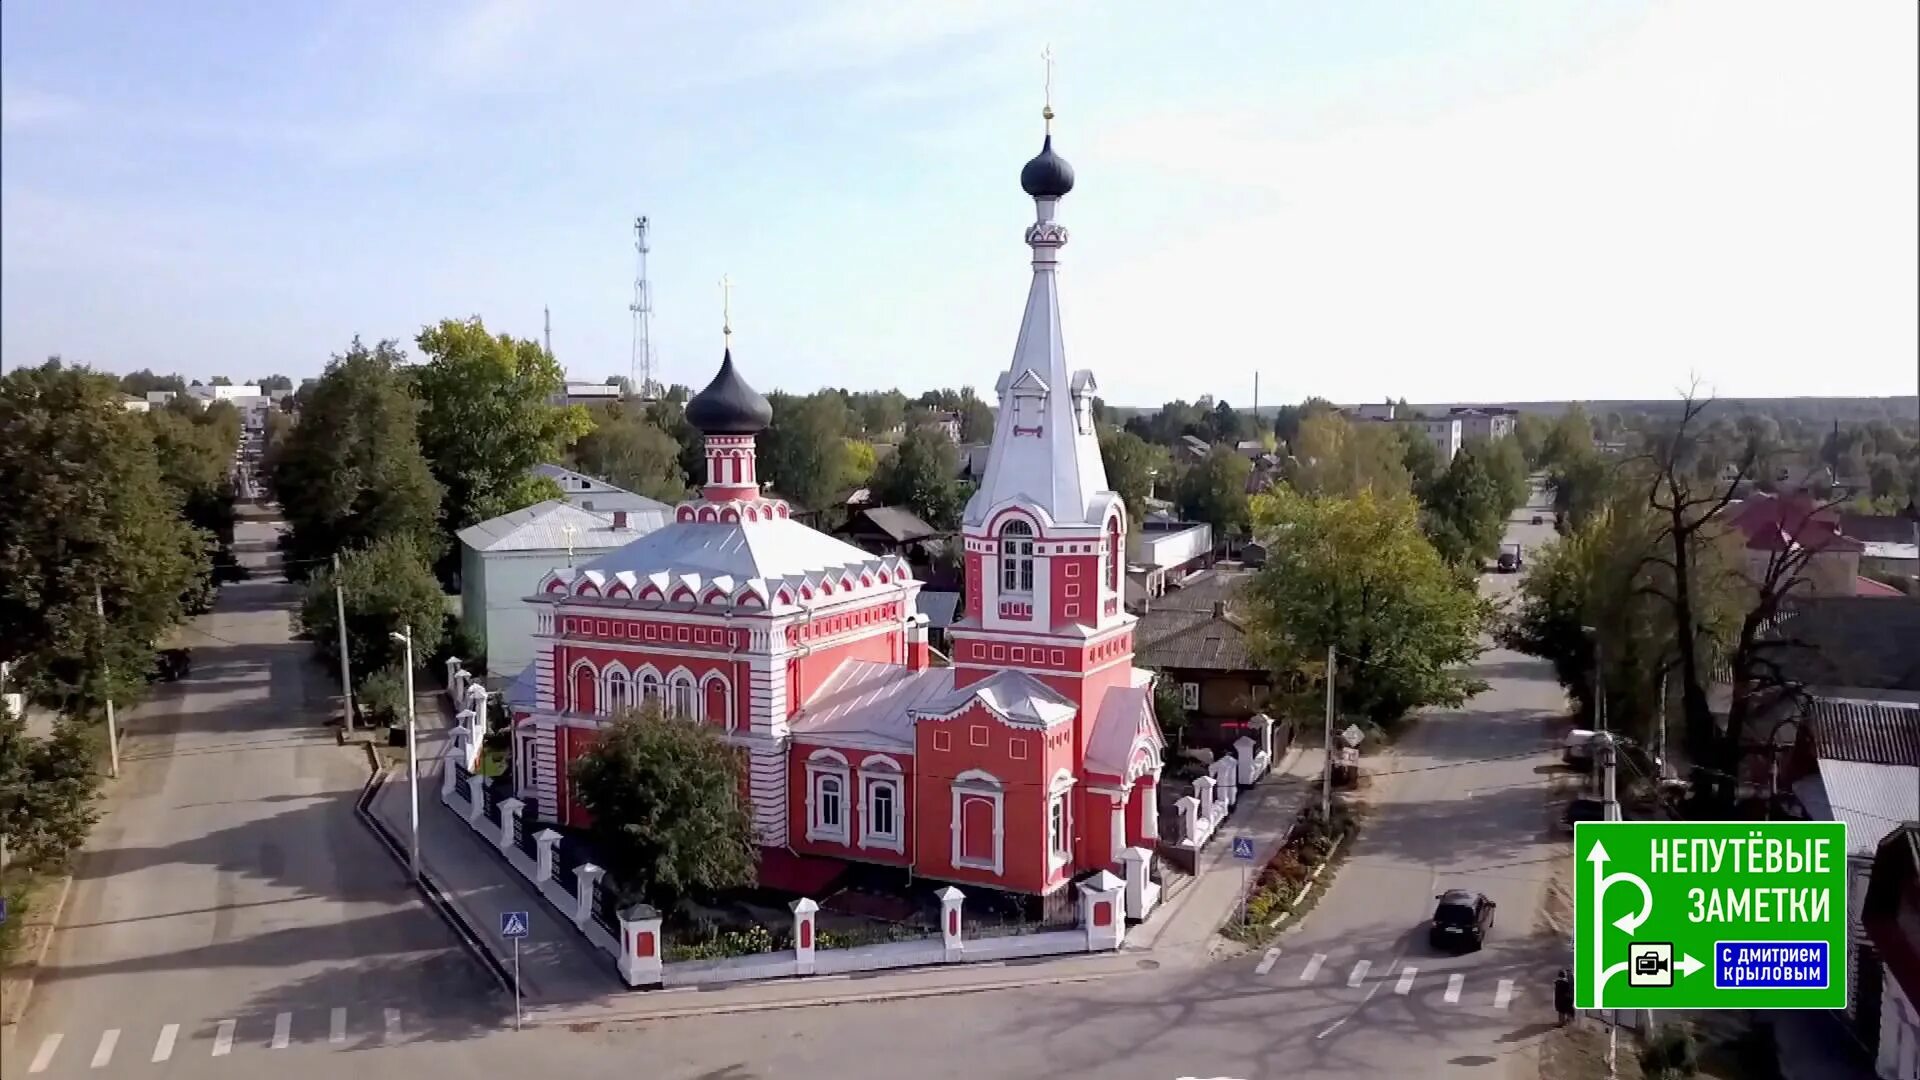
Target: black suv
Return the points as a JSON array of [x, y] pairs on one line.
[[1461, 920]]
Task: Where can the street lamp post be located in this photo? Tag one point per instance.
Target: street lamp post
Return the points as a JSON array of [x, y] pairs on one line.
[[405, 637]]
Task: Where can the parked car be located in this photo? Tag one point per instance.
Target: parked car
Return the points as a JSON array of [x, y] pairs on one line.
[[1461, 920], [1510, 560], [1577, 748]]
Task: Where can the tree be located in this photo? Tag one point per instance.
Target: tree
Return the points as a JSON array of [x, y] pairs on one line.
[[1288, 418], [46, 792], [803, 453], [1530, 435], [879, 412], [669, 818], [1571, 434], [1133, 465], [862, 462], [1463, 514], [1420, 456], [625, 450], [142, 382], [922, 476], [1333, 456], [88, 514], [1356, 574], [350, 471], [1214, 490], [1169, 708], [275, 382], [220, 380], [387, 587], [487, 418]]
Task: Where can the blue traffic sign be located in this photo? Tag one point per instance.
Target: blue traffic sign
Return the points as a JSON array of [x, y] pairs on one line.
[[513, 924], [1243, 847]]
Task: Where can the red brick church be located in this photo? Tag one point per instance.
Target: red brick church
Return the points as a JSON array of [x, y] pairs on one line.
[[1033, 757]]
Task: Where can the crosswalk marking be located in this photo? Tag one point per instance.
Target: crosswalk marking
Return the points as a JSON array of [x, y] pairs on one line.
[[163, 1049], [282, 1030], [104, 1052], [1267, 961], [1503, 994], [44, 1058], [1313, 967], [1405, 985], [1359, 973], [1454, 982], [338, 1033], [393, 1024], [223, 1038]]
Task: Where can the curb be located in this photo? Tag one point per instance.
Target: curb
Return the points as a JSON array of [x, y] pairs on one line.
[[436, 900], [19, 1006]]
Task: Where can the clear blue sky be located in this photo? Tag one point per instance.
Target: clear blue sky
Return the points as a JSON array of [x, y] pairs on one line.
[[1471, 200]]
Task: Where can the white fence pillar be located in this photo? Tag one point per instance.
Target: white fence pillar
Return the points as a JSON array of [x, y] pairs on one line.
[[1100, 912], [454, 689], [1226, 781], [477, 702], [1247, 759], [584, 879], [804, 911], [950, 922], [640, 946], [509, 815], [1203, 794], [1149, 796], [1190, 819], [447, 757], [1263, 731], [1142, 891], [544, 842]]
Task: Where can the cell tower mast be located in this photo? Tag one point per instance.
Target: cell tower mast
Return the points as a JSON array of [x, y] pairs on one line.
[[642, 375]]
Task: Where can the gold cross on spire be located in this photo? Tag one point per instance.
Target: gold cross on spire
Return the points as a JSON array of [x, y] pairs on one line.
[[726, 307], [1046, 112]]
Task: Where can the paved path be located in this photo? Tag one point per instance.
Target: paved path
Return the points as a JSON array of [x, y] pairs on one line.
[[230, 897]]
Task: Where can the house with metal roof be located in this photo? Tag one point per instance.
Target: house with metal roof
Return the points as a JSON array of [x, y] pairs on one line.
[[1889, 990]]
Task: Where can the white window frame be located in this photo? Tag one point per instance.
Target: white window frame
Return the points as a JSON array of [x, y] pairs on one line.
[[877, 774], [1016, 558], [683, 696], [822, 766], [616, 688], [977, 784], [1060, 800], [1190, 695], [726, 694]]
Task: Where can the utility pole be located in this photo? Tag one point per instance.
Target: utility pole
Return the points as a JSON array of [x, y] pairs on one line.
[[1326, 767], [547, 329], [113, 732], [346, 676]]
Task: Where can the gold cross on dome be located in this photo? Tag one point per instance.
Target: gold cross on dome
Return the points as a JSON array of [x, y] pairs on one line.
[[1046, 112], [726, 306]]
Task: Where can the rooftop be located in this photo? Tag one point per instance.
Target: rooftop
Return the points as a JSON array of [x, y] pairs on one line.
[[553, 525], [1859, 641], [1870, 732], [865, 702]]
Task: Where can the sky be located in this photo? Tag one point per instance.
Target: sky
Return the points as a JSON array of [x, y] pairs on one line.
[[1454, 201]]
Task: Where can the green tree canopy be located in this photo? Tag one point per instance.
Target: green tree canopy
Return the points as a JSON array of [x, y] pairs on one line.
[[669, 818], [140, 383], [1357, 574], [922, 475], [627, 450], [487, 418], [1467, 506], [87, 507], [350, 471], [1334, 456], [803, 453], [1214, 490], [268, 384], [387, 588], [1133, 465], [46, 792]]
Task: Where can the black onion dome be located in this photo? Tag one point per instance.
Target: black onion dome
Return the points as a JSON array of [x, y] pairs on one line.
[[1047, 176], [728, 406]]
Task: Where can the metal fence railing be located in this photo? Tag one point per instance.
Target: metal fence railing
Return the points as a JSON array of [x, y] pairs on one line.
[[603, 908], [462, 780]]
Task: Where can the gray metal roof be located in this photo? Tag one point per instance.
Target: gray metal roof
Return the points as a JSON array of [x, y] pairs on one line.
[[940, 608], [1874, 732], [551, 526], [867, 702], [1866, 641], [1873, 800]]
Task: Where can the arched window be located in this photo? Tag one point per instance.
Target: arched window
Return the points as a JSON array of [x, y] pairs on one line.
[[716, 695], [683, 699], [1016, 557], [649, 688], [829, 807], [584, 687], [619, 691], [1113, 555]]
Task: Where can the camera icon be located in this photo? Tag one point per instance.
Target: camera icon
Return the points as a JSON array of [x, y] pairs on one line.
[[1650, 963]]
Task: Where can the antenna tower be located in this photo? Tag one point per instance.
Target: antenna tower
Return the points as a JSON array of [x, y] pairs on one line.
[[641, 374]]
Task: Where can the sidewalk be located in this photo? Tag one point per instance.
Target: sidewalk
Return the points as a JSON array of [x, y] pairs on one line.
[[1189, 922], [557, 964]]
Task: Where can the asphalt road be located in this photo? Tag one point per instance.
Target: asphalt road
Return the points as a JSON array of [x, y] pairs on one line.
[[1354, 991], [229, 899]]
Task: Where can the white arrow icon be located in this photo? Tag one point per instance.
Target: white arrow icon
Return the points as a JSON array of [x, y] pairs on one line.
[[1688, 965], [1627, 923]]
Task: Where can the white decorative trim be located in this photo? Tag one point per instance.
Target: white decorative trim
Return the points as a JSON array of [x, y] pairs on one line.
[[977, 784], [824, 765], [573, 682], [878, 773], [1060, 796]]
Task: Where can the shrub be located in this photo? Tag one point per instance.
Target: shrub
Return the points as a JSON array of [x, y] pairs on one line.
[[1289, 867], [718, 945], [1671, 1055]]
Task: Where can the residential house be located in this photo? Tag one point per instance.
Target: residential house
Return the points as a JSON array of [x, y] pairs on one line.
[[895, 530], [503, 559], [1857, 762], [1446, 433], [1195, 446], [1172, 547], [1780, 527], [1484, 422], [1849, 647], [1034, 758], [596, 495], [1892, 918], [1193, 638], [134, 404], [586, 393]]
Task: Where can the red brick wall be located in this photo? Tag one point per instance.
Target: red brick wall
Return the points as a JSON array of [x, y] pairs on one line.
[[1075, 585], [1023, 785], [855, 809]]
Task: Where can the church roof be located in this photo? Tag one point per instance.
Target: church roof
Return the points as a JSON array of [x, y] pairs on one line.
[[548, 526], [1124, 721], [867, 702], [728, 406], [1014, 696]]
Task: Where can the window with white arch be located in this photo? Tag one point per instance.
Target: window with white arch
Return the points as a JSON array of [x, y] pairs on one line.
[[1016, 557], [649, 687], [619, 691], [979, 822], [684, 700], [827, 809], [883, 805]]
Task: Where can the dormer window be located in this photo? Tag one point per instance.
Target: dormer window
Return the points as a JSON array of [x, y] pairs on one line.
[[1083, 389], [1029, 392], [1016, 557]]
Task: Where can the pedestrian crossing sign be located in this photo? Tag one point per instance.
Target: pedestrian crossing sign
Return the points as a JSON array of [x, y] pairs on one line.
[[513, 924], [1243, 847]]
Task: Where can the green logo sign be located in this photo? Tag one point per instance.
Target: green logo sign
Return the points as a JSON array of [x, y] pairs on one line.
[[1710, 915]]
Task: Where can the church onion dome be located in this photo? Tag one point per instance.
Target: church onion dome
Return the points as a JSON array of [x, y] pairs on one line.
[[1047, 176], [728, 406]]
